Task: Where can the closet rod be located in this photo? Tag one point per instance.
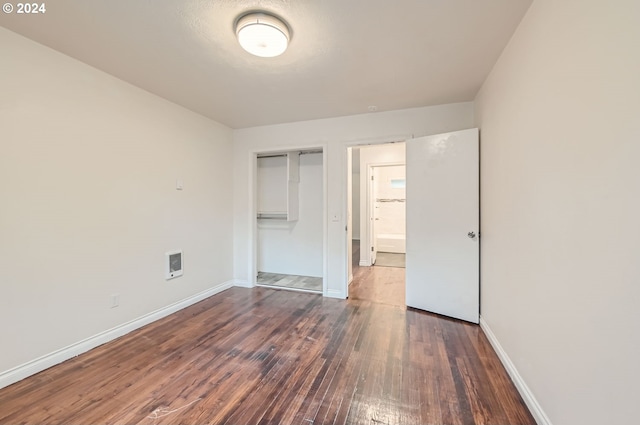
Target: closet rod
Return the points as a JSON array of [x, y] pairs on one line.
[[277, 155], [271, 156]]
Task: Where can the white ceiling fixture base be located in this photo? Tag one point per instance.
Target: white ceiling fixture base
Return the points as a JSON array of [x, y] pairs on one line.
[[262, 34]]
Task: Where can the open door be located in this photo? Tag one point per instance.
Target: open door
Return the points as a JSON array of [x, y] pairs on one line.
[[443, 249]]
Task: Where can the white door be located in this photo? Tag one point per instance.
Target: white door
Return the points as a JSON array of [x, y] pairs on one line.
[[443, 249]]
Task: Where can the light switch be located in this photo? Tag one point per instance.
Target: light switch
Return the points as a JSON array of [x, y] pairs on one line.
[[178, 184]]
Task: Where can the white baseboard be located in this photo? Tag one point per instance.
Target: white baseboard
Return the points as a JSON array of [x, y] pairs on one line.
[[287, 288], [526, 394], [364, 263], [242, 283], [37, 365], [335, 293]]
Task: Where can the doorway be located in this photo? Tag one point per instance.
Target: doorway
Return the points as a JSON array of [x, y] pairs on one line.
[[376, 214], [442, 224], [387, 214]]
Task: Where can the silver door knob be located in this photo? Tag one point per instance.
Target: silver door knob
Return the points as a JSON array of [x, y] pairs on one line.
[[471, 235]]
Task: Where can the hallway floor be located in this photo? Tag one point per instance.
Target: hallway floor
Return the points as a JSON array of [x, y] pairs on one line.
[[383, 285]]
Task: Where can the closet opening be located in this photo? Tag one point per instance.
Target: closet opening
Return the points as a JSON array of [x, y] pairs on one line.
[[289, 232]]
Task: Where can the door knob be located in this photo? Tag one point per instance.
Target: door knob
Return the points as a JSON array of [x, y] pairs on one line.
[[471, 235]]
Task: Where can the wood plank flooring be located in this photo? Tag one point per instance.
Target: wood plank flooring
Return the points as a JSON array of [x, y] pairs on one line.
[[384, 285], [265, 356], [379, 284]]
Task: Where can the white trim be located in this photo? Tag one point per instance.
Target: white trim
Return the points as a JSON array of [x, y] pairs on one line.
[[289, 288], [32, 367], [528, 397], [325, 219], [253, 222], [242, 283], [364, 263], [335, 293]]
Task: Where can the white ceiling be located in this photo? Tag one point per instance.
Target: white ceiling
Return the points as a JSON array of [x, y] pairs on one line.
[[344, 56]]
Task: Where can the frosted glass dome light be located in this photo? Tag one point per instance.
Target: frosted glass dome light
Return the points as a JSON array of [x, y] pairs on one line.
[[262, 35]]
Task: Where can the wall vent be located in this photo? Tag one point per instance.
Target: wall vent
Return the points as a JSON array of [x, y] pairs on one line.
[[173, 264]]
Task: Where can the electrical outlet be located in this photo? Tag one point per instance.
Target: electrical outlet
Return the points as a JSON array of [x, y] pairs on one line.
[[115, 300]]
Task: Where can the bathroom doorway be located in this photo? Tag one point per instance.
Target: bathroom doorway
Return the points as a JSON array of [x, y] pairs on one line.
[[388, 215]]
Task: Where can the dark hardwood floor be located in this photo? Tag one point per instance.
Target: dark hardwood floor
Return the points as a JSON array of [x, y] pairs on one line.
[[377, 284], [265, 356]]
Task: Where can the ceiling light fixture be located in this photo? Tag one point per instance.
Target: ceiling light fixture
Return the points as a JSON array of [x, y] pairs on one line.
[[262, 34]]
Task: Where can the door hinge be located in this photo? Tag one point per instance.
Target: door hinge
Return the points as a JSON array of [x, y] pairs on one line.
[[371, 249]]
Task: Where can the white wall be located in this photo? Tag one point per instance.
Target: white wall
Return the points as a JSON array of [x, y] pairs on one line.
[[334, 135], [560, 206], [272, 185], [88, 201], [295, 247], [389, 153]]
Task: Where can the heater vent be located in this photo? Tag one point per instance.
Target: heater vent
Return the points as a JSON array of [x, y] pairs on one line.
[[173, 264]]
